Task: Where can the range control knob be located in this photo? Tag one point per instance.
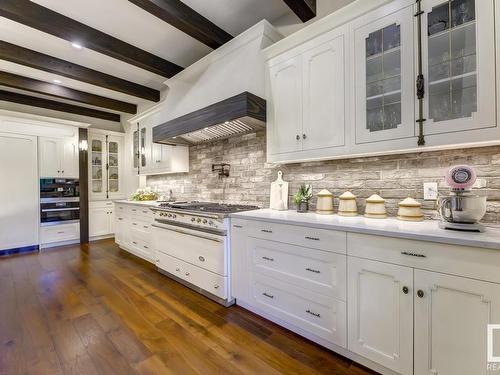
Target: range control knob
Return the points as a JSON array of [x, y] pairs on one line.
[[174, 216], [204, 221], [198, 220], [210, 222], [193, 219]]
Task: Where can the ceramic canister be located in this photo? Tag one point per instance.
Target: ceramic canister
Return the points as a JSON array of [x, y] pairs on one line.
[[410, 210], [375, 207], [347, 204], [324, 204]]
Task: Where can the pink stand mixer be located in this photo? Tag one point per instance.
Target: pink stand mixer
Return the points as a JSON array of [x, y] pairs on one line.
[[461, 209]]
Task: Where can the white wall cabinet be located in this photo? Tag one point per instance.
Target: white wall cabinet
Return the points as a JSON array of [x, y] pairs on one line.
[[101, 219], [58, 157], [307, 116]]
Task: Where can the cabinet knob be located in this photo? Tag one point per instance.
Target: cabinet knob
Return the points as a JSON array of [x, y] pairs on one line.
[[177, 269], [297, 137], [202, 259], [420, 293], [216, 287], [187, 273], [304, 136], [405, 290]]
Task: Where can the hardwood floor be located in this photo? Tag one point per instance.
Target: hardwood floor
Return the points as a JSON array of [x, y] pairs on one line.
[[99, 310]]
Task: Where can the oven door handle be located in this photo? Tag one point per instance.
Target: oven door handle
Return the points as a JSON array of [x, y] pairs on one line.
[[189, 234], [60, 209]]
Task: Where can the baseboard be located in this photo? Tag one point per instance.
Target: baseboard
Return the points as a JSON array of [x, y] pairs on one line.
[[61, 243], [97, 238], [20, 250]]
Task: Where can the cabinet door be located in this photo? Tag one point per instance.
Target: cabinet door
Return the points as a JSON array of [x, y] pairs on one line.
[[50, 157], [99, 224], [97, 172], [451, 319], [459, 65], [384, 76], [240, 285], [114, 160], [380, 308], [70, 157], [324, 96], [285, 107]]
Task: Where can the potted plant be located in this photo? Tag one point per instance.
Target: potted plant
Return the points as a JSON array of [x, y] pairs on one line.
[[302, 198]]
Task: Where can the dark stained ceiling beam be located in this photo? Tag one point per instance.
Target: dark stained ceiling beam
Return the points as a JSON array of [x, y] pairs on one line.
[[56, 106], [40, 61], [304, 9], [41, 87], [48, 21], [184, 18]]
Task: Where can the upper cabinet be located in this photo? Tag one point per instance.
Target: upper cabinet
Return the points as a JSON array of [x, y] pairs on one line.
[[307, 116], [352, 91], [58, 157], [153, 158], [459, 65], [105, 165]]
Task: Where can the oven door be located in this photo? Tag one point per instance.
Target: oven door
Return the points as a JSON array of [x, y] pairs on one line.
[[195, 246], [59, 212]]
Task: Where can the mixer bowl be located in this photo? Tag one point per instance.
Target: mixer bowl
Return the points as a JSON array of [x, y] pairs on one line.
[[458, 208]]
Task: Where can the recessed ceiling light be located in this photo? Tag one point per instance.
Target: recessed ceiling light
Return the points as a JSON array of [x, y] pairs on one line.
[[56, 81], [76, 45]]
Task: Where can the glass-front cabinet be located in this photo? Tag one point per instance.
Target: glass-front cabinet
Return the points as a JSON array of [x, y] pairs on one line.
[[384, 77], [459, 65], [105, 159]]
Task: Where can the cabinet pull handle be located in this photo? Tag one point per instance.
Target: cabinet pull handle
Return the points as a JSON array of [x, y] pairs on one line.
[[157, 261], [237, 226], [201, 258], [312, 238], [216, 287], [304, 136], [145, 226], [135, 243], [317, 315], [187, 273], [120, 219], [134, 223], [405, 290], [60, 232], [146, 247], [177, 269], [411, 254], [266, 231], [267, 295], [297, 137], [312, 270], [420, 293], [269, 259]]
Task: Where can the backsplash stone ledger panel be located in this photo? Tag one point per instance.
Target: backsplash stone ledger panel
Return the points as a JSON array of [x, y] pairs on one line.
[[394, 177]]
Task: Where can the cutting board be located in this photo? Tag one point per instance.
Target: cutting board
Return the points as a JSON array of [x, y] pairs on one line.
[[279, 193]]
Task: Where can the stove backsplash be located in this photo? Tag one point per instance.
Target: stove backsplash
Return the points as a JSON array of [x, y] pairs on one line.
[[394, 177]]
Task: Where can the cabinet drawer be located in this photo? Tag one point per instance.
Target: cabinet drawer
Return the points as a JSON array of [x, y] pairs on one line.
[[316, 270], [142, 225], [476, 263], [204, 279], [142, 212], [320, 315], [328, 240], [59, 233]]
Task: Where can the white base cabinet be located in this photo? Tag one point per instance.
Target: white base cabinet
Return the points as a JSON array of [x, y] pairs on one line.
[[397, 306], [55, 235], [101, 219]]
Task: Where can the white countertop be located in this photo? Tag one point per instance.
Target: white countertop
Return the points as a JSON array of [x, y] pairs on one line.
[[427, 230], [138, 203]]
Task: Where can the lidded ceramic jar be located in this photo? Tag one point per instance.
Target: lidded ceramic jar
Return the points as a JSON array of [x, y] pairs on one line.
[[347, 204], [324, 204], [375, 207], [410, 210]]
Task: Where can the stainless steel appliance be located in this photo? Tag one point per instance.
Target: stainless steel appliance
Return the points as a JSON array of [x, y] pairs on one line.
[[59, 201], [192, 240], [461, 209]]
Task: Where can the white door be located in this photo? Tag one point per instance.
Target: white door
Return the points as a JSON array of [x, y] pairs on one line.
[[459, 65], [70, 157], [285, 107], [380, 313], [19, 215], [451, 318], [99, 221], [50, 150], [324, 95], [97, 166], [384, 75]]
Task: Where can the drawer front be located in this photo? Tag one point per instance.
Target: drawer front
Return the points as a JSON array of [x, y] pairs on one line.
[[141, 225], [316, 270], [211, 282], [327, 240], [140, 212], [59, 233], [189, 247], [476, 263], [322, 316]]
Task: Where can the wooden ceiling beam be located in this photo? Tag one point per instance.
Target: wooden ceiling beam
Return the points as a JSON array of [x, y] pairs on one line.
[[56, 90], [57, 106], [33, 59], [43, 19], [186, 19], [304, 9]]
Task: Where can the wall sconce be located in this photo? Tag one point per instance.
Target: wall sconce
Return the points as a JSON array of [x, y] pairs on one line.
[[83, 146]]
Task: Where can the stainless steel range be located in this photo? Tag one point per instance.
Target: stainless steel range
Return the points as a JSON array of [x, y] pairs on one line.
[[191, 245]]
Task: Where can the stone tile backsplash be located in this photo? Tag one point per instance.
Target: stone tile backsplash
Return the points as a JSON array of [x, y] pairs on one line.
[[394, 177]]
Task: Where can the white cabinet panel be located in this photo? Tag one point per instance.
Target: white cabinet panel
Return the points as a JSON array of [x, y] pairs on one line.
[[380, 305], [451, 318], [101, 218], [324, 95], [50, 162], [70, 157], [59, 233]]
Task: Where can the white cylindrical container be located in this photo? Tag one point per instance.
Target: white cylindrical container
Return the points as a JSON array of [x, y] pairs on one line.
[[410, 210], [347, 204], [324, 204], [375, 207]]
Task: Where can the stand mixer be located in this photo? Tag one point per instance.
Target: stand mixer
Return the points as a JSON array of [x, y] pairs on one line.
[[461, 209]]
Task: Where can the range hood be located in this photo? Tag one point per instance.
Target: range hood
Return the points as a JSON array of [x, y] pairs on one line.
[[240, 114]]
